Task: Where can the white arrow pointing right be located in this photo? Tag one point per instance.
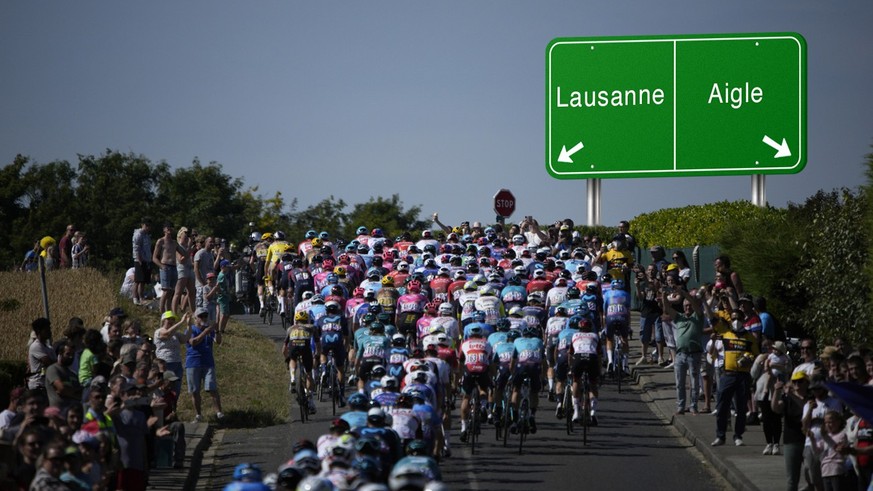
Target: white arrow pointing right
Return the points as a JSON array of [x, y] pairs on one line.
[[781, 150], [566, 156]]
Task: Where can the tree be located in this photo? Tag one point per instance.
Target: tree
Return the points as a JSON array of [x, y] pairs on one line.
[[387, 214]]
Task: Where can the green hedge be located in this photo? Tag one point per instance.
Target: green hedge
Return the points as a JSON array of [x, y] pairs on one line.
[[695, 224]]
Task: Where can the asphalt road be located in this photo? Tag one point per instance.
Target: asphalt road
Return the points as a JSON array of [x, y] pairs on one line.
[[630, 449]]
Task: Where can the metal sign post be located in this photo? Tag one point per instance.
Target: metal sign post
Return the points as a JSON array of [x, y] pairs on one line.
[[759, 190], [593, 202]]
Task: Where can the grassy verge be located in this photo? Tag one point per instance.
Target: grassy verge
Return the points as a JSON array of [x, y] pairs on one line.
[[251, 375]]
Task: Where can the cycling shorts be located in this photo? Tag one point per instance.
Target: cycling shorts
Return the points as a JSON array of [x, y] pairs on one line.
[[621, 328], [339, 353], [562, 366], [502, 378], [366, 367], [532, 372], [260, 271], [303, 352], [590, 364], [471, 380]]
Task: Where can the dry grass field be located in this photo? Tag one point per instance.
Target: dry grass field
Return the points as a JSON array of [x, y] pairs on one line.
[[251, 374]]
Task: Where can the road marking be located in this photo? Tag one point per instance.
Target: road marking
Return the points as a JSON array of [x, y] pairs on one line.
[[468, 460]]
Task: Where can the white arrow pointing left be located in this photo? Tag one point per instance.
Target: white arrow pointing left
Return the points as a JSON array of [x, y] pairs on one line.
[[566, 155], [781, 150]]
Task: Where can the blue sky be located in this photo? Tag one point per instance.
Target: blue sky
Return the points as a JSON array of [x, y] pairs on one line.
[[440, 102]]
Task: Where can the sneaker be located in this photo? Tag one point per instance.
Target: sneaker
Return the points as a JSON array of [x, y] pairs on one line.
[[669, 365], [609, 369], [776, 450], [292, 386], [219, 415], [490, 418], [559, 411], [663, 363], [768, 450], [447, 452], [738, 442], [717, 442], [137, 301], [263, 312], [533, 425], [464, 436], [198, 418], [513, 428], [577, 417], [640, 361], [593, 420]]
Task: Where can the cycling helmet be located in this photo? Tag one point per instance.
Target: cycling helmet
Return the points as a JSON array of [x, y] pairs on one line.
[[539, 273], [368, 318], [368, 445], [403, 266], [332, 306], [573, 292], [377, 233], [591, 287], [503, 324], [513, 335], [378, 371], [398, 340], [301, 316], [530, 332], [247, 473], [535, 297], [358, 292], [374, 308], [476, 331], [480, 279], [431, 307], [561, 311], [369, 293], [430, 248], [407, 476], [358, 401], [618, 284], [516, 312], [336, 290], [317, 298], [309, 462], [478, 316], [404, 401], [340, 271], [326, 250], [315, 483], [561, 281], [377, 327], [446, 308], [367, 468], [606, 278], [287, 257], [316, 242], [279, 235], [324, 236], [414, 286], [574, 320], [515, 280], [486, 290], [518, 239], [388, 256], [383, 317], [267, 236], [443, 339], [289, 477], [389, 382], [332, 278], [387, 281], [470, 286], [310, 234], [307, 295], [416, 447]]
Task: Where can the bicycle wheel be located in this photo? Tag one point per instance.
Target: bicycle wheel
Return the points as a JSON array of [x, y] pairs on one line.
[[568, 405], [586, 409], [301, 393], [619, 371], [334, 387], [522, 424], [474, 420]]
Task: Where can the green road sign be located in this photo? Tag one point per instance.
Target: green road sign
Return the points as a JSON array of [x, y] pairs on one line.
[[669, 106]]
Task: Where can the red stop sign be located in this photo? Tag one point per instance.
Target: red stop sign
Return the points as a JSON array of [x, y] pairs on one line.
[[504, 203]]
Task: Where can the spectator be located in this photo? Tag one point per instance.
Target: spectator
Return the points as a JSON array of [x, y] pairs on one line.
[[204, 263], [11, 411], [200, 362], [814, 411], [65, 247], [40, 354], [30, 258], [681, 263], [740, 352], [117, 316], [770, 328], [31, 407], [809, 362], [648, 291], [50, 466], [48, 251], [74, 334], [772, 365], [62, 384], [689, 331], [169, 338], [142, 260], [829, 446], [132, 428], [80, 251], [225, 294], [630, 240], [186, 289], [164, 258], [730, 277]]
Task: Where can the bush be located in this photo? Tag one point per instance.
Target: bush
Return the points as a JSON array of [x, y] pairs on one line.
[[693, 225]]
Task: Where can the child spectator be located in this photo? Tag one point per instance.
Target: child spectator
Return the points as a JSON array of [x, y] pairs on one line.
[[829, 448]]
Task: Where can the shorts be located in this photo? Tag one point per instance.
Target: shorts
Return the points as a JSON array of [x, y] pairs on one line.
[[184, 270], [303, 352], [339, 353], [471, 380], [591, 364], [502, 378], [142, 272], [531, 372], [622, 328], [562, 366], [550, 353], [169, 277], [224, 307], [647, 328], [201, 378], [259, 272], [659, 330], [366, 367]]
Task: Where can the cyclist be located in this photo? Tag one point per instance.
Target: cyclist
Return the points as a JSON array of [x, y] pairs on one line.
[[373, 350], [422, 327], [334, 333], [557, 294], [447, 323], [301, 280], [584, 350], [562, 359], [405, 422], [554, 326], [298, 342], [356, 416], [476, 356], [274, 253], [534, 313], [539, 283], [616, 304], [478, 321], [388, 295], [389, 391], [410, 308], [516, 319], [489, 303], [530, 358], [513, 294], [317, 309], [467, 302], [286, 284], [505, 358], [259, 265], [439, 286], [306, 244], [459, 279], [397, 356]]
